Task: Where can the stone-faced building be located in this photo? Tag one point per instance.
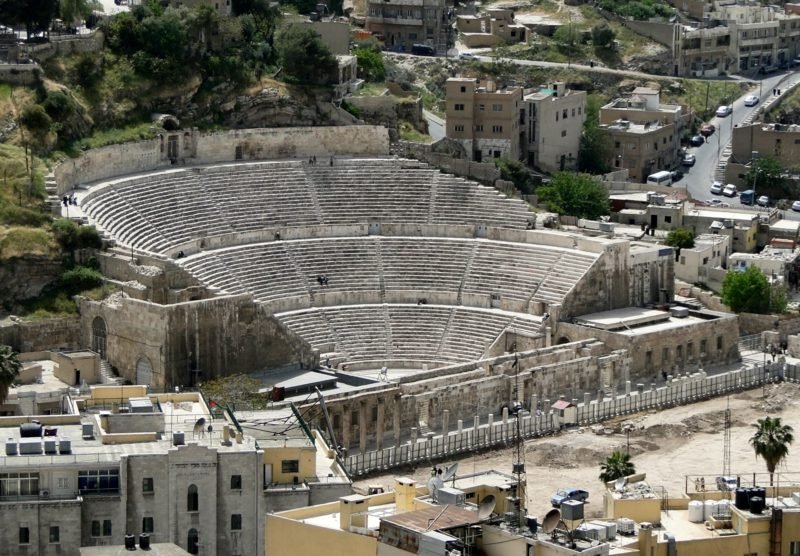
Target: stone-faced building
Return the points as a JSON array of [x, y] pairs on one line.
[[553, 119], [404, 23], [485, 119]]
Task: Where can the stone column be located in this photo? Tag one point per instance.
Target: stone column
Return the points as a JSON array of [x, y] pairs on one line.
[[460, 426], [505, 416], [363, 425], [379, 426], [398, 406], [347, 427], [534, 404], [445, 422]]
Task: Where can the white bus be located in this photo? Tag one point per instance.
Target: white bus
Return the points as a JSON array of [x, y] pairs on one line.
[[660, 178]]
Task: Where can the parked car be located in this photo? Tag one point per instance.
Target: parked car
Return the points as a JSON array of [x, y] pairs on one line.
[[467, 55], [796, 206], [795, 62], [766, 70], [565, 494], [726, 483], [696, 140], [713, 202], [676, 175], [724, 110], [716, 188], [729, 190], [707, 129], [763, 201], [751, 100], [689, 160]]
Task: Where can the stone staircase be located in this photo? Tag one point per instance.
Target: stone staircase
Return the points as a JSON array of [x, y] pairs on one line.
[[107, 376]]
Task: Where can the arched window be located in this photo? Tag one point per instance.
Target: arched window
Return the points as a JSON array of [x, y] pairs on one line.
[[99, 336], [192, 502], [144, 371], [192, 541]]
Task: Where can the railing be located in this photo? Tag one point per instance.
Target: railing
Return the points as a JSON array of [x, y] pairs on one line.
[[682, 390]]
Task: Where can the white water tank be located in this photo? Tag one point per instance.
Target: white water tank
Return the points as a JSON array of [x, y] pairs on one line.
[[696, 511], [709, 509], [723, 507]]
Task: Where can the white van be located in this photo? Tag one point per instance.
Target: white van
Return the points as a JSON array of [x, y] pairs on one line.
[[660, 178]]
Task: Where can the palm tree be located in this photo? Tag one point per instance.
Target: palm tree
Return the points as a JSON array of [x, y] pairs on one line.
[[9, 370], [617, 465], [771, 442]]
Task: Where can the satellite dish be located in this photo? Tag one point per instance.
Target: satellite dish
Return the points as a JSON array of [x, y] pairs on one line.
[[619, 483], [486, 507], [450, 472], [550, 521], [434, 484]]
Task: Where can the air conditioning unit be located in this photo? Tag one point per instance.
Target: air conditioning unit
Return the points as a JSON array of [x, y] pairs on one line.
[[626, 526], [44, 494]]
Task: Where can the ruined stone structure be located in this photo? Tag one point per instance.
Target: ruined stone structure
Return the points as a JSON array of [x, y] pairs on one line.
[[269, 249]]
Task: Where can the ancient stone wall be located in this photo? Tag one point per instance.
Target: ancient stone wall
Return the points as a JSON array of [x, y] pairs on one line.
[[20, 74], [214, 337], [42, 335], [25, 277]]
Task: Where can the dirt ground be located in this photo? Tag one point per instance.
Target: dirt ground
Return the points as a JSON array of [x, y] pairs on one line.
[[666, 445]]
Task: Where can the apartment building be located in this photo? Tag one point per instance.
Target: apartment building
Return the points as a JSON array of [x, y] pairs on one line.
[[484, 119], [403, 23], [644, 134], [554, 117], [778, 141], [703, 50]]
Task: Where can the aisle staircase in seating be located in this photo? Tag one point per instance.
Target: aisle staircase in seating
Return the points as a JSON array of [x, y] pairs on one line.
[[107, 375]]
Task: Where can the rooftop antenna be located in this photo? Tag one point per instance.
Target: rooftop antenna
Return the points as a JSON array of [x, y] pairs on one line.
[[726, 457]]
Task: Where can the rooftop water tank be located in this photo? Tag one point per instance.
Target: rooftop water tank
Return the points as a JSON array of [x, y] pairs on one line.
[[709, 508], [177, 438], [30, 430], [11, 447], [756, 505], [742, 499], [696, 511], [144, 541]]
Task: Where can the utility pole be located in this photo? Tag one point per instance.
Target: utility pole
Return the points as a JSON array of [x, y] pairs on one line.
[[726, 456]]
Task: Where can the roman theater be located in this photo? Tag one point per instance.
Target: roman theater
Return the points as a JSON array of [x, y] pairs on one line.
[[316, 258]]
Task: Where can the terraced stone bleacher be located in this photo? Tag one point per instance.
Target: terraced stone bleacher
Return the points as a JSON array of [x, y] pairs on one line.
[[164, 210], [383, 265], [432, 334]]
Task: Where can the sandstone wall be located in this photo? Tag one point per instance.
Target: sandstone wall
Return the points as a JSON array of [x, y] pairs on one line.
[[25, 277], [20, 74], [42, 335]]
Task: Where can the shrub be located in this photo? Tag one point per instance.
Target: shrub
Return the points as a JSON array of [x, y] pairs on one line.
[[80, 278], [66, 232]]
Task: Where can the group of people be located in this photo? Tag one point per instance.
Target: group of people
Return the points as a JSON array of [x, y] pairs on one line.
[[313, 160], [67, 200], [322, 280]]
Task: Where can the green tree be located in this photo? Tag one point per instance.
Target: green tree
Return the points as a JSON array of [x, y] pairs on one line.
[[749, 291], [9, 370], [73, 12], [575, 194], [680, 238], [765, 175], [303, 56], [594, 149], [566, 36], [516, 172], [603, 36], [617, 465], [36, 121], [370, 64], [771, 442]]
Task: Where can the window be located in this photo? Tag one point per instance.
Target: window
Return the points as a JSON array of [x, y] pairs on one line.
[[463, 89], [98, 480], [147, 485], [481, 107], [459, 127], [719, 342], [24, 535], [664, 355], [564, 114], [290, 466], [19, 484], [703, 345], [497, 129], [556, 115], [479, 127], [617, 162], [147, 525], [236, 482], [497, 107], [794, 546], [55, 535], [193, 542], [236, 522], [655, 146], [95, 528], [563, 133], [573, 112], [616, 144], [192, 499], [668, 219], [648, 358], [106, 527], [459, 107]]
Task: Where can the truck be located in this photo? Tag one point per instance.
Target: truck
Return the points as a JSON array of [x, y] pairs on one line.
[[747, 197]]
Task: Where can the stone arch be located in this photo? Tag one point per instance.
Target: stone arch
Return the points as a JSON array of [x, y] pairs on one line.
[[99, 333], [144, 371], [192, 499], [193, 541], [563, 340]]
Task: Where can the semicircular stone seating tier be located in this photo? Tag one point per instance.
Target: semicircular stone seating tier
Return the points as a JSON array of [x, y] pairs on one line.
[[425, 334], [385, 268], [162, 210]]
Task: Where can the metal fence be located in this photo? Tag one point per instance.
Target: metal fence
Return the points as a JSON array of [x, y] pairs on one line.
[[679, 391]]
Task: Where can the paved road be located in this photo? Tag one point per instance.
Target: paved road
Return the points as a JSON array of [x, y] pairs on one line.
[[436, 125], [697, 179]]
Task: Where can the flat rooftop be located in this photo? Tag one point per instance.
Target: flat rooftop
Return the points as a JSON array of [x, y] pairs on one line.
[[722, 214], [487, 478], [433, 519], [156, 549], [374, 516], [635, 321], [274, 428]]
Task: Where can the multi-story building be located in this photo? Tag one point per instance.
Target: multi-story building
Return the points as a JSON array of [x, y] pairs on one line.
[[404, 23], [495, 26], [484, 119], [777, 141], [644, 134], [553, 119], [755, 32], [703, 51]]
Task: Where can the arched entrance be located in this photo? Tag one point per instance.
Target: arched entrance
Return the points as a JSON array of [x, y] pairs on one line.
[[193, 542], [144, 371], [563, 340], [99, 336]]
